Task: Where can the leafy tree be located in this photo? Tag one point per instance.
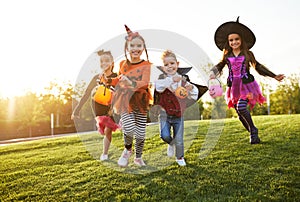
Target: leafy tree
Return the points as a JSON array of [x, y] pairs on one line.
[[57, 99], [29, 111], [195, 111], [286, 98]]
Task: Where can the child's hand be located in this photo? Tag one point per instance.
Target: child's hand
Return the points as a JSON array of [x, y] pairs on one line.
[[279, 77], [189, 87], [124, 81], [102, 78], [177, 78], [212, 75]]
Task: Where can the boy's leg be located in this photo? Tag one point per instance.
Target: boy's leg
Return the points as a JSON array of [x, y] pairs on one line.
[[178, 128], [165, 128]]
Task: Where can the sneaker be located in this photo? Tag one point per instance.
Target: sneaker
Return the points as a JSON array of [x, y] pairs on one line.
[[124, 159], [170, 151], [181, 162], [103, 157], [139, 162]]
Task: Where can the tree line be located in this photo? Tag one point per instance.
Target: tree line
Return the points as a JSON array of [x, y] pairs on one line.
[[29, 115]]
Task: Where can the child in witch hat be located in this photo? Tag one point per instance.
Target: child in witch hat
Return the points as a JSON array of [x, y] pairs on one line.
[[174, 93], [132, 96], [236, 40]]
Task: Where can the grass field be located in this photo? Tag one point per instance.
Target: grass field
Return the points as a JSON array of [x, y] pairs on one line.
[[221, 166]]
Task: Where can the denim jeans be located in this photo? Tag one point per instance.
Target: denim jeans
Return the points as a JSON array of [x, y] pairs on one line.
[[176, 123]]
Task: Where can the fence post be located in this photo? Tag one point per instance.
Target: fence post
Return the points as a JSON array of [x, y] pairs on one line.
[[52, 124]]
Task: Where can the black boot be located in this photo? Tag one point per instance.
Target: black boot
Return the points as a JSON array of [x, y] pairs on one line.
[[254, 139]]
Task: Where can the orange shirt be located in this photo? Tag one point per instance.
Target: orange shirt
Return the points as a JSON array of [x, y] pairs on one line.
[[136, 72], [135, 97]]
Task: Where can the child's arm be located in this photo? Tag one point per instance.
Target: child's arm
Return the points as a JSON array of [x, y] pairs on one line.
[[262, 70], [85, 97], [217, 69], [162, 83]]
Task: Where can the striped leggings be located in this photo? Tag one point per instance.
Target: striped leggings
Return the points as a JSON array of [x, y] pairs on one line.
[[244, 115], [134, 124]]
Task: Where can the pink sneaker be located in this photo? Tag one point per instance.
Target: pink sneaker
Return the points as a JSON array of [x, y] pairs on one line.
[[124, 159], [139, 162]]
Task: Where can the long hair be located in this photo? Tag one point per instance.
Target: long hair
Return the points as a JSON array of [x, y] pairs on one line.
[[126, 44], [250, 59]]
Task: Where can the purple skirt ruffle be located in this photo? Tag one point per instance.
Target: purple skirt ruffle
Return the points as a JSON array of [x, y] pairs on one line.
[[238, 90]]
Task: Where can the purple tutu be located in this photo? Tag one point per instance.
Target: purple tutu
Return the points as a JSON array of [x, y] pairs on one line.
[[238, 90]]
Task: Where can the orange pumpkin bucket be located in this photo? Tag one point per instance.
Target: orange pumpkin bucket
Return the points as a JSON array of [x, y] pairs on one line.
[[181, 92], [103, 95]]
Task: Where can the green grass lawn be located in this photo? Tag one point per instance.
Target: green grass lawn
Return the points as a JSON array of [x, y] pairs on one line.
[[221, 166]]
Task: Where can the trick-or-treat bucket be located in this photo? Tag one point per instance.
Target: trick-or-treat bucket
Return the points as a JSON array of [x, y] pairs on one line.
[[215, 88]]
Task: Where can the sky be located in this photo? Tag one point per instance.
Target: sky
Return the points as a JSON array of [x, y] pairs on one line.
[[43, 41]]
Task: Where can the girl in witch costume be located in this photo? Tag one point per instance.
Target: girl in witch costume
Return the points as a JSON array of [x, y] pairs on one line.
[[174, 93], [236, 40], [101, 101], [132, 96]]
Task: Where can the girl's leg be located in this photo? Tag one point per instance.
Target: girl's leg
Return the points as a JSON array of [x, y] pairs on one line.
[[107, 140], [245, 114], [241, 118], [128, 127], [140, 133]]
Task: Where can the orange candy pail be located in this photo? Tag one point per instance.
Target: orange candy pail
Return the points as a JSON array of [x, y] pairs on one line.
[[103, 95]]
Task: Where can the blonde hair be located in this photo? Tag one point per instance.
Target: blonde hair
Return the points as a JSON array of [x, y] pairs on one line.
[[168, 53]]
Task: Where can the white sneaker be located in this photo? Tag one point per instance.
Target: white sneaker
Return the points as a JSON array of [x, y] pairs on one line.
[[124, 159], [181, 161], [139, 162], [171, 149], [103, 157]]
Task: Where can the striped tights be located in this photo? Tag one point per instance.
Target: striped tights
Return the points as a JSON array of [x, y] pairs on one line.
[[244, 115], [134, 124]]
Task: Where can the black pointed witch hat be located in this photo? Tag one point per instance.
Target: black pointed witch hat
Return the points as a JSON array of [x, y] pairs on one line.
[[221, 34]]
